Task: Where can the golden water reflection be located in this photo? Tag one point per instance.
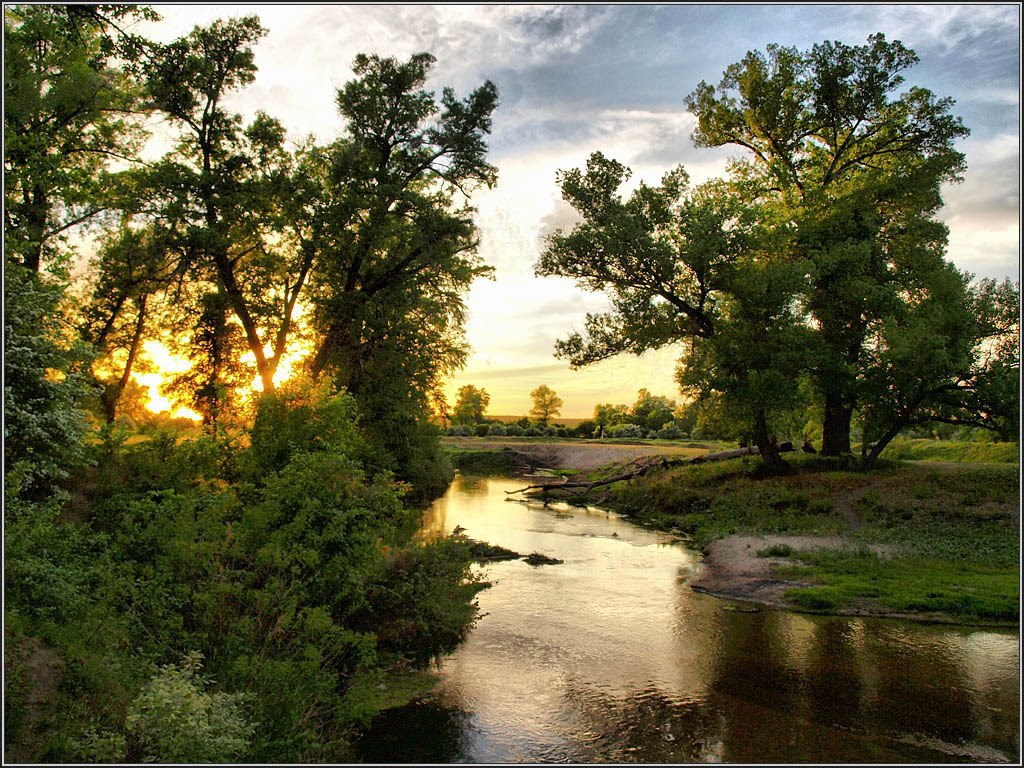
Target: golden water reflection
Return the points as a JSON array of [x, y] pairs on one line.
[[610, 657]]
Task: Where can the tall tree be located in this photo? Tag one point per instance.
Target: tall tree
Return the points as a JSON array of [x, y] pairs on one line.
[[68, 110], [470, 405], [858, 172], [387, 221], [222, 191], [545, 404], [651, 412], [387, 228]]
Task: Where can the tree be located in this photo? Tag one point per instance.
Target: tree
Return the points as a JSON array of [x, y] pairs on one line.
[[857, 173], [608, 415], [651, 412], [386, 226], [676, 263], [387, 221], [68, 109], [747, 372], [952, 357], [222, 195], [545, 403], [44, 387], [470, 405]]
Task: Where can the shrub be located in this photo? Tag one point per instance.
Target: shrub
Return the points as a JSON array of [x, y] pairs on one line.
[[496, 430], [533, 432], [584, 429], [669, 431], [460, 430], [481, 430], [514, 430], [625, 431], [776, 550], [174, 719]]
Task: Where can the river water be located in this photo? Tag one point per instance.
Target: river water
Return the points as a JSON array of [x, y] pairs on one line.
[[611, 657]]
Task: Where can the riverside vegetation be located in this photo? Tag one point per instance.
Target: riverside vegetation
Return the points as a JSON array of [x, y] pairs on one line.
[[251, 589], [949, 533]]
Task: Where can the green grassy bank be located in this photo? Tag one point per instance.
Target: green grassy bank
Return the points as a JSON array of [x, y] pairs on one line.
[[950, 532]]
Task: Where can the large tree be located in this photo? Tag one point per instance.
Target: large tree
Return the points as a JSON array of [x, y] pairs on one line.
[[546, 403], [384, 213], [390, 224], [858, 171], [68, 110], [470, 405], [680, 264], [220, 195]]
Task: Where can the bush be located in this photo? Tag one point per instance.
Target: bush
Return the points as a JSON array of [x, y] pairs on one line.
[[514, 430], [584, 429], [460, 430], [669, 431], [174, 719], [625, 431], [496, 430], [481, 430], [533, 432]]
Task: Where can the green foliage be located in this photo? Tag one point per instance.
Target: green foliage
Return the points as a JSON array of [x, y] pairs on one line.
[[470, 405], [545, 404], [44, 385], [862, 196], [904, 449], [66, 111], [619, 431], [175, 719], [421, 605], [652, 412]]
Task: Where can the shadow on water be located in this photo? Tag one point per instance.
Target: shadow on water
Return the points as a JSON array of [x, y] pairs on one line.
[[611, 657]]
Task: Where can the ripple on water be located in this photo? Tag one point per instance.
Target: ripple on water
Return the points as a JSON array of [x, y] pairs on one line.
[[611, 657]]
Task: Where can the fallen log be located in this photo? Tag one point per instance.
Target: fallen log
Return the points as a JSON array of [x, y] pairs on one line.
[[643, 468]]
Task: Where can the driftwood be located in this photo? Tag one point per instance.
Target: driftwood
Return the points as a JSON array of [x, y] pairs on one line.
[[642, 469]]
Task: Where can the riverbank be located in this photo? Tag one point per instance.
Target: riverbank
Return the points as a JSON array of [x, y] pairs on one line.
[[927, 540], [932, 541], [520, 453]]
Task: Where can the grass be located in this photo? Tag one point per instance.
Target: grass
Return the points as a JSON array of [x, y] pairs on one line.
[[969, 591], [906, 449], [952, 531], [709, 501]]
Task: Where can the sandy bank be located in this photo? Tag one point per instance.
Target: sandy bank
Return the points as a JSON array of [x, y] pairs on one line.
[[575, 454]]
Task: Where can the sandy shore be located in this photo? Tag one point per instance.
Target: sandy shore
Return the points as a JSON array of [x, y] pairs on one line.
[[574, 454]]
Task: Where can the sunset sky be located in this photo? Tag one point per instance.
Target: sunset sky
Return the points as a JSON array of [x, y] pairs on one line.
[[573, 79]]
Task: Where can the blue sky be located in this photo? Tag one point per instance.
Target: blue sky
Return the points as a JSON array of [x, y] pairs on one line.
[[573, 79]]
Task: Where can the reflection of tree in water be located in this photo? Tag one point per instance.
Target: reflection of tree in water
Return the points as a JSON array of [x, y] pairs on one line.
[[645, 726], [420, 732], [798, 689]]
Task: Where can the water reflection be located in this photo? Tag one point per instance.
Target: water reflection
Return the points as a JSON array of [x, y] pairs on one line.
[[609, 657]]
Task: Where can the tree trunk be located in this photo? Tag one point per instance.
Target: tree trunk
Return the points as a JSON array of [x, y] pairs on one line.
[[835, 428], [112, 394], [876, 450]]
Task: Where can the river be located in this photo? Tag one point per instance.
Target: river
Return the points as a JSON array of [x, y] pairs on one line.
[[610, 657]]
